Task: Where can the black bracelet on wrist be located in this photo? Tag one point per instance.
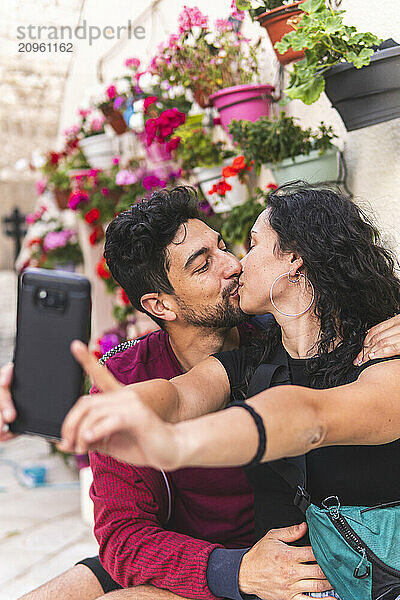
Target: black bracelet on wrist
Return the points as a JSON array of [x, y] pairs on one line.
[[262, 437]]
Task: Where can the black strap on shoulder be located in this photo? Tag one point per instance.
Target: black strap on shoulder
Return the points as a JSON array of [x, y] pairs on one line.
[[276, 372]]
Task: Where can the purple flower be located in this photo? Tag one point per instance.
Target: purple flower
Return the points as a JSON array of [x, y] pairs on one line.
[[108, 341], [152, 181], [205, 208], [118, 102]]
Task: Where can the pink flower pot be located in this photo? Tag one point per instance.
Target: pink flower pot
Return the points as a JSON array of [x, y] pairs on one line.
[[156, 152], [248, 102]]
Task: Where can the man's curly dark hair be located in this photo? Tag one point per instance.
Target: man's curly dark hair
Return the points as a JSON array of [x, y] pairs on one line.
[[137, 239], [353, 275]]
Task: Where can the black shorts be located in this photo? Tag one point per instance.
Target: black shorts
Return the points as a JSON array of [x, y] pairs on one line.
[[106, 581]]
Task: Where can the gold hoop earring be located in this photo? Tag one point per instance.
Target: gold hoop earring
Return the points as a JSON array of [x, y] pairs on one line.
[[300, 275]]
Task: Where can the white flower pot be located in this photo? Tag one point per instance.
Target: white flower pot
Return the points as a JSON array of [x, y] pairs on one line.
[[98, 150], [208, 176]]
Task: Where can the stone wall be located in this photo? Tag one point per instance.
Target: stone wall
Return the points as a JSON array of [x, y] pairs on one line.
[[31, 92]]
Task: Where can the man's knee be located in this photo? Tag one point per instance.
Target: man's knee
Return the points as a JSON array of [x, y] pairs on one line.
[[78, 582], [141, 592]]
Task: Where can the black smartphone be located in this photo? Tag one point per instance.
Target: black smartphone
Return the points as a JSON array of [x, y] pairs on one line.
[[53, 309]]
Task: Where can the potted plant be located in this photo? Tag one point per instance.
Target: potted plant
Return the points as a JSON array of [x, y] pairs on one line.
[[231, 187], [218, 65], [95, 144], [278, 17], [290, 151], [117, 108], [358, 73]]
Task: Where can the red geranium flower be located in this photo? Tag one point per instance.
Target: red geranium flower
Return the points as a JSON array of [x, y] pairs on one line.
[[229, 171], [92, 216], [96, 235], [272, 186], [124, 297], [220, 188], [54, 158], [102, 270]]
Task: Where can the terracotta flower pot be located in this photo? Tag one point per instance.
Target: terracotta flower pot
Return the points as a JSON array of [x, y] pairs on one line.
[[114, 118], [202, 99], [277, 22], [61, 197], [117, 122]]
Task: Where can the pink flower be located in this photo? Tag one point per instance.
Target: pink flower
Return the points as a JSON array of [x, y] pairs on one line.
[[40, 186], [57, 239], [115, 160], [223, 24], [191, 17], [132, 62], [152, 181], [173, 41], [84, 112], [105, 191], [97, 123], [148, 101], [111, 92], [72, 131], [126, 177], [173, 143], [236, 14], [32, 218], [76, 198]]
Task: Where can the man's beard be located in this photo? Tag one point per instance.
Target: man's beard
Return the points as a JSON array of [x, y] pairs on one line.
[[218, 316]]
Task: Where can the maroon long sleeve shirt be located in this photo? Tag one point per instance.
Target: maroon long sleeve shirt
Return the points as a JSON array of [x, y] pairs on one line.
[[157, 528]]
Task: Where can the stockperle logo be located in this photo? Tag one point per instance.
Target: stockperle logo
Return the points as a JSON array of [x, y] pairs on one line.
[[80, 32]]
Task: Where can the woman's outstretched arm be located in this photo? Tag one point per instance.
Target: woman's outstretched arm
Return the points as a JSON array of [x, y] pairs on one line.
[[296, 420]]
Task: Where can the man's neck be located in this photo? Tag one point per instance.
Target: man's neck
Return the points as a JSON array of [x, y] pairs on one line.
[[193, 344]]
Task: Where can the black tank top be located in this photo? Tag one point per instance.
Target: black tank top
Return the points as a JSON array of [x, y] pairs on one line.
[[358, 475]]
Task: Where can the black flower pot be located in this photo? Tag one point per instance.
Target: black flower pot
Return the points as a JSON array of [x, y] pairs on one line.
[[369, 95]]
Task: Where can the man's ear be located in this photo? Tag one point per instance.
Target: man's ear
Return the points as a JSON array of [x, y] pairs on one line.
[[159, 306]]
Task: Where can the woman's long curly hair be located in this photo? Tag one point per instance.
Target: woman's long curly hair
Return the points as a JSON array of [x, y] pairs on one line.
[[353, 275]]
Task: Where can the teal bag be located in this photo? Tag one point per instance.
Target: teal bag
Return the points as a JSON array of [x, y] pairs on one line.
[[357, 547]]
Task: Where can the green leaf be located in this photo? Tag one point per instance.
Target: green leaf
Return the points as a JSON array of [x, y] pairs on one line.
[[308, 92], [243, 5], [286, 42], [312, 6], [362, 59], [333, 24]]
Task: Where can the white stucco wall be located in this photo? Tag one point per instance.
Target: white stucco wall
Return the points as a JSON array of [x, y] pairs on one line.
[[371, 154]]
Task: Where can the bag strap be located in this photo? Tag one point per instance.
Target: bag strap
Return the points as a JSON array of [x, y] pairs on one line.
[[292, 470]]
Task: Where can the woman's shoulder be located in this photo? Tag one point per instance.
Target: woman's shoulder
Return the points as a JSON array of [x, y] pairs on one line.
[[376, 361]]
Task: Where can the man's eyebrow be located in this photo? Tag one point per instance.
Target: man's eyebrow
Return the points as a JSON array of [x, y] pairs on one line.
[[200, 252], [195, 255]]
